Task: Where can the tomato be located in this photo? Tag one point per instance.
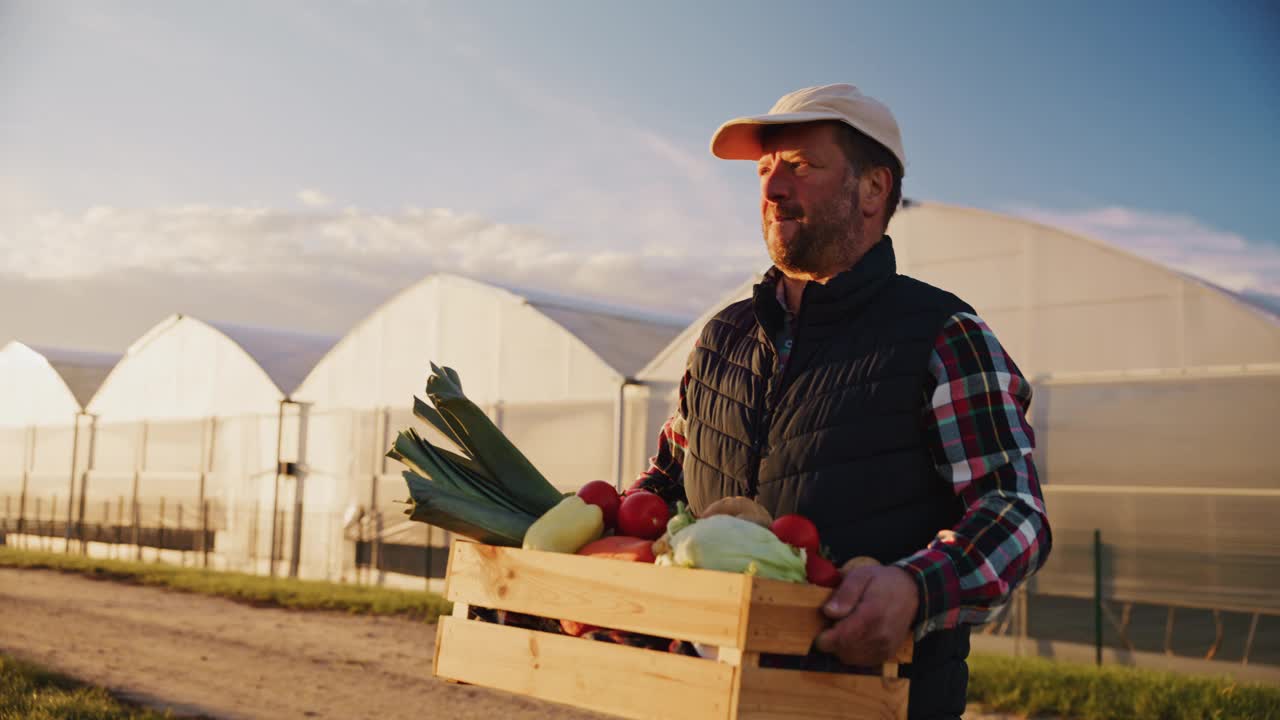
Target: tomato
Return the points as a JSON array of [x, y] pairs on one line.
[[602, 495], [620, 547], [643, 515], [821, 571], [797, 530]]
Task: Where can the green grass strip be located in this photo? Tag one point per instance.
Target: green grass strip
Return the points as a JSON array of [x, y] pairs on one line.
[[1037, 686], [241, 587], [28, 692]]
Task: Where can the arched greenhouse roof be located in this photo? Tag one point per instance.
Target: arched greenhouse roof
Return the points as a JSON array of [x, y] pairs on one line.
[[509, 345], [184, 367], [41, 386]]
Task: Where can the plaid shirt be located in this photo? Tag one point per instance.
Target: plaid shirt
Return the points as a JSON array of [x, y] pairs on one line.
[[974, 417]]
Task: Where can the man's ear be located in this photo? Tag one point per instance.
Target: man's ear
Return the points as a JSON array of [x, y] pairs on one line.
[[873, 191]]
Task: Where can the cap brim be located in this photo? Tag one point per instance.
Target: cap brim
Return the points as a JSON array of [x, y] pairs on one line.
[[739, 139]]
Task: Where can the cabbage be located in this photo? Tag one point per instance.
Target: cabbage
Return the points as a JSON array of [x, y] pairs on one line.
[[730, 544]]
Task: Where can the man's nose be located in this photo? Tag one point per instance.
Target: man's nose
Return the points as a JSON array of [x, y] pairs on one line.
[[776, 185]]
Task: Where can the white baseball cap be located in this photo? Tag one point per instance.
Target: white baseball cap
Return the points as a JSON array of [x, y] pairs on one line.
[[739, 139]]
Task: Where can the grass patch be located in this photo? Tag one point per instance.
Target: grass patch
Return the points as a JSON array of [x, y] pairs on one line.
[[28, 692], [1036, 686], [241, 587]]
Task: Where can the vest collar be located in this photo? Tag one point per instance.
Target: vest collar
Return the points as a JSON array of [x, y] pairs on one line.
[[823, 308]]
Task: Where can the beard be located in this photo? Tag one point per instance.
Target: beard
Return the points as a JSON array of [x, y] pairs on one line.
[[821, 241]]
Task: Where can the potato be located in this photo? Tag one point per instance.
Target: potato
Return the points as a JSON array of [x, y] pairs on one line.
[[739, 507], [857, 562]]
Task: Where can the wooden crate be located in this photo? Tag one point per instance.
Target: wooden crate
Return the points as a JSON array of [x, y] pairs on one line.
[[742, 615]]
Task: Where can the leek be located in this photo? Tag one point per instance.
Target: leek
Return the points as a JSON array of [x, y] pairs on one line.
[[482, 440], [430, 463], [488, 491], [463, 515]]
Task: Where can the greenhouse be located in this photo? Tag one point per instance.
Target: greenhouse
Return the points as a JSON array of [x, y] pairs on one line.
[[42, 428], [197, 441], [1155, 404], [550, 372]]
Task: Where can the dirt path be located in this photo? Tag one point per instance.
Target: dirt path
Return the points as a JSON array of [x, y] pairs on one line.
[[208, 656]]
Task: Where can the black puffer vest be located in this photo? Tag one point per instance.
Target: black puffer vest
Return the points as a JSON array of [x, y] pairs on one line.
[[837, 438]]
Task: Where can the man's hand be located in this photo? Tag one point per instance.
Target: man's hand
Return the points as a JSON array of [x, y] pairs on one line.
[[873, 607]]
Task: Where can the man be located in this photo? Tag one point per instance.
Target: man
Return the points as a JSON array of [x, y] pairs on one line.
[[880, 407]]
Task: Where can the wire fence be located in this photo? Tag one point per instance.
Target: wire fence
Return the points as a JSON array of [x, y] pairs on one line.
[[381, 546], [372, 547]]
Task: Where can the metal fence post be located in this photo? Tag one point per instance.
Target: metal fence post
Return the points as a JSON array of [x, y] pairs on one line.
[[253, 534], [160, 533], [1097, 596], [182, 540], [71, 483], [139, 464], [27, 451], [204, 535], [119, 527], [84, 482], [137, 527]]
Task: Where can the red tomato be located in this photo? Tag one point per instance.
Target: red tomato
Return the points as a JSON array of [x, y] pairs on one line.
[[643, 515], [797, 530], [602, 494], [821, 571]]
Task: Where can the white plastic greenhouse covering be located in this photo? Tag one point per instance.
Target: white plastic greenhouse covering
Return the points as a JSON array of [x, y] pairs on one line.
[[1156, 399], [198, 412], [42, 394], [549, 371]]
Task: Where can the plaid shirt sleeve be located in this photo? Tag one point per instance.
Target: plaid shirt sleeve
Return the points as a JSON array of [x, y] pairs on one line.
[[977, 432], [665, 475]]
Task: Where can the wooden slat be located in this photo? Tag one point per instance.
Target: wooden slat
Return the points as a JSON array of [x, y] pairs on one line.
[[786, 617], [780, 694], [617, 679], [904, 652], [696, 605]]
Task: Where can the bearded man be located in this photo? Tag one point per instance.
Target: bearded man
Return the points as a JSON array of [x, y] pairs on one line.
[[878, 406]]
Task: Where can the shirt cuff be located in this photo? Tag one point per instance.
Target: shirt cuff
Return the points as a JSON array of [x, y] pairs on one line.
[[928, 569]]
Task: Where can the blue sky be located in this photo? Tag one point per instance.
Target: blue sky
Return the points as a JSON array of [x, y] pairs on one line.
[[563, 144]]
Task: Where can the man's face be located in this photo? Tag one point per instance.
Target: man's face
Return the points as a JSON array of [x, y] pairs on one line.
[[808, 212]]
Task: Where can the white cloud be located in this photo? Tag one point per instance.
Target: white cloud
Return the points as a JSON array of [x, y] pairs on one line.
[[329, 265], [314, 198], [1179, 241]]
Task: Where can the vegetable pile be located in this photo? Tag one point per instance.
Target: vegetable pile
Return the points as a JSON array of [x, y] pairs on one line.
[[490, 492]]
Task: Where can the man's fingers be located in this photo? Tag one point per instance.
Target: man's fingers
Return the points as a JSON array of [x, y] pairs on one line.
[[849, 639], [862, 637], [828, 640], [845, 598], [841, 636]]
